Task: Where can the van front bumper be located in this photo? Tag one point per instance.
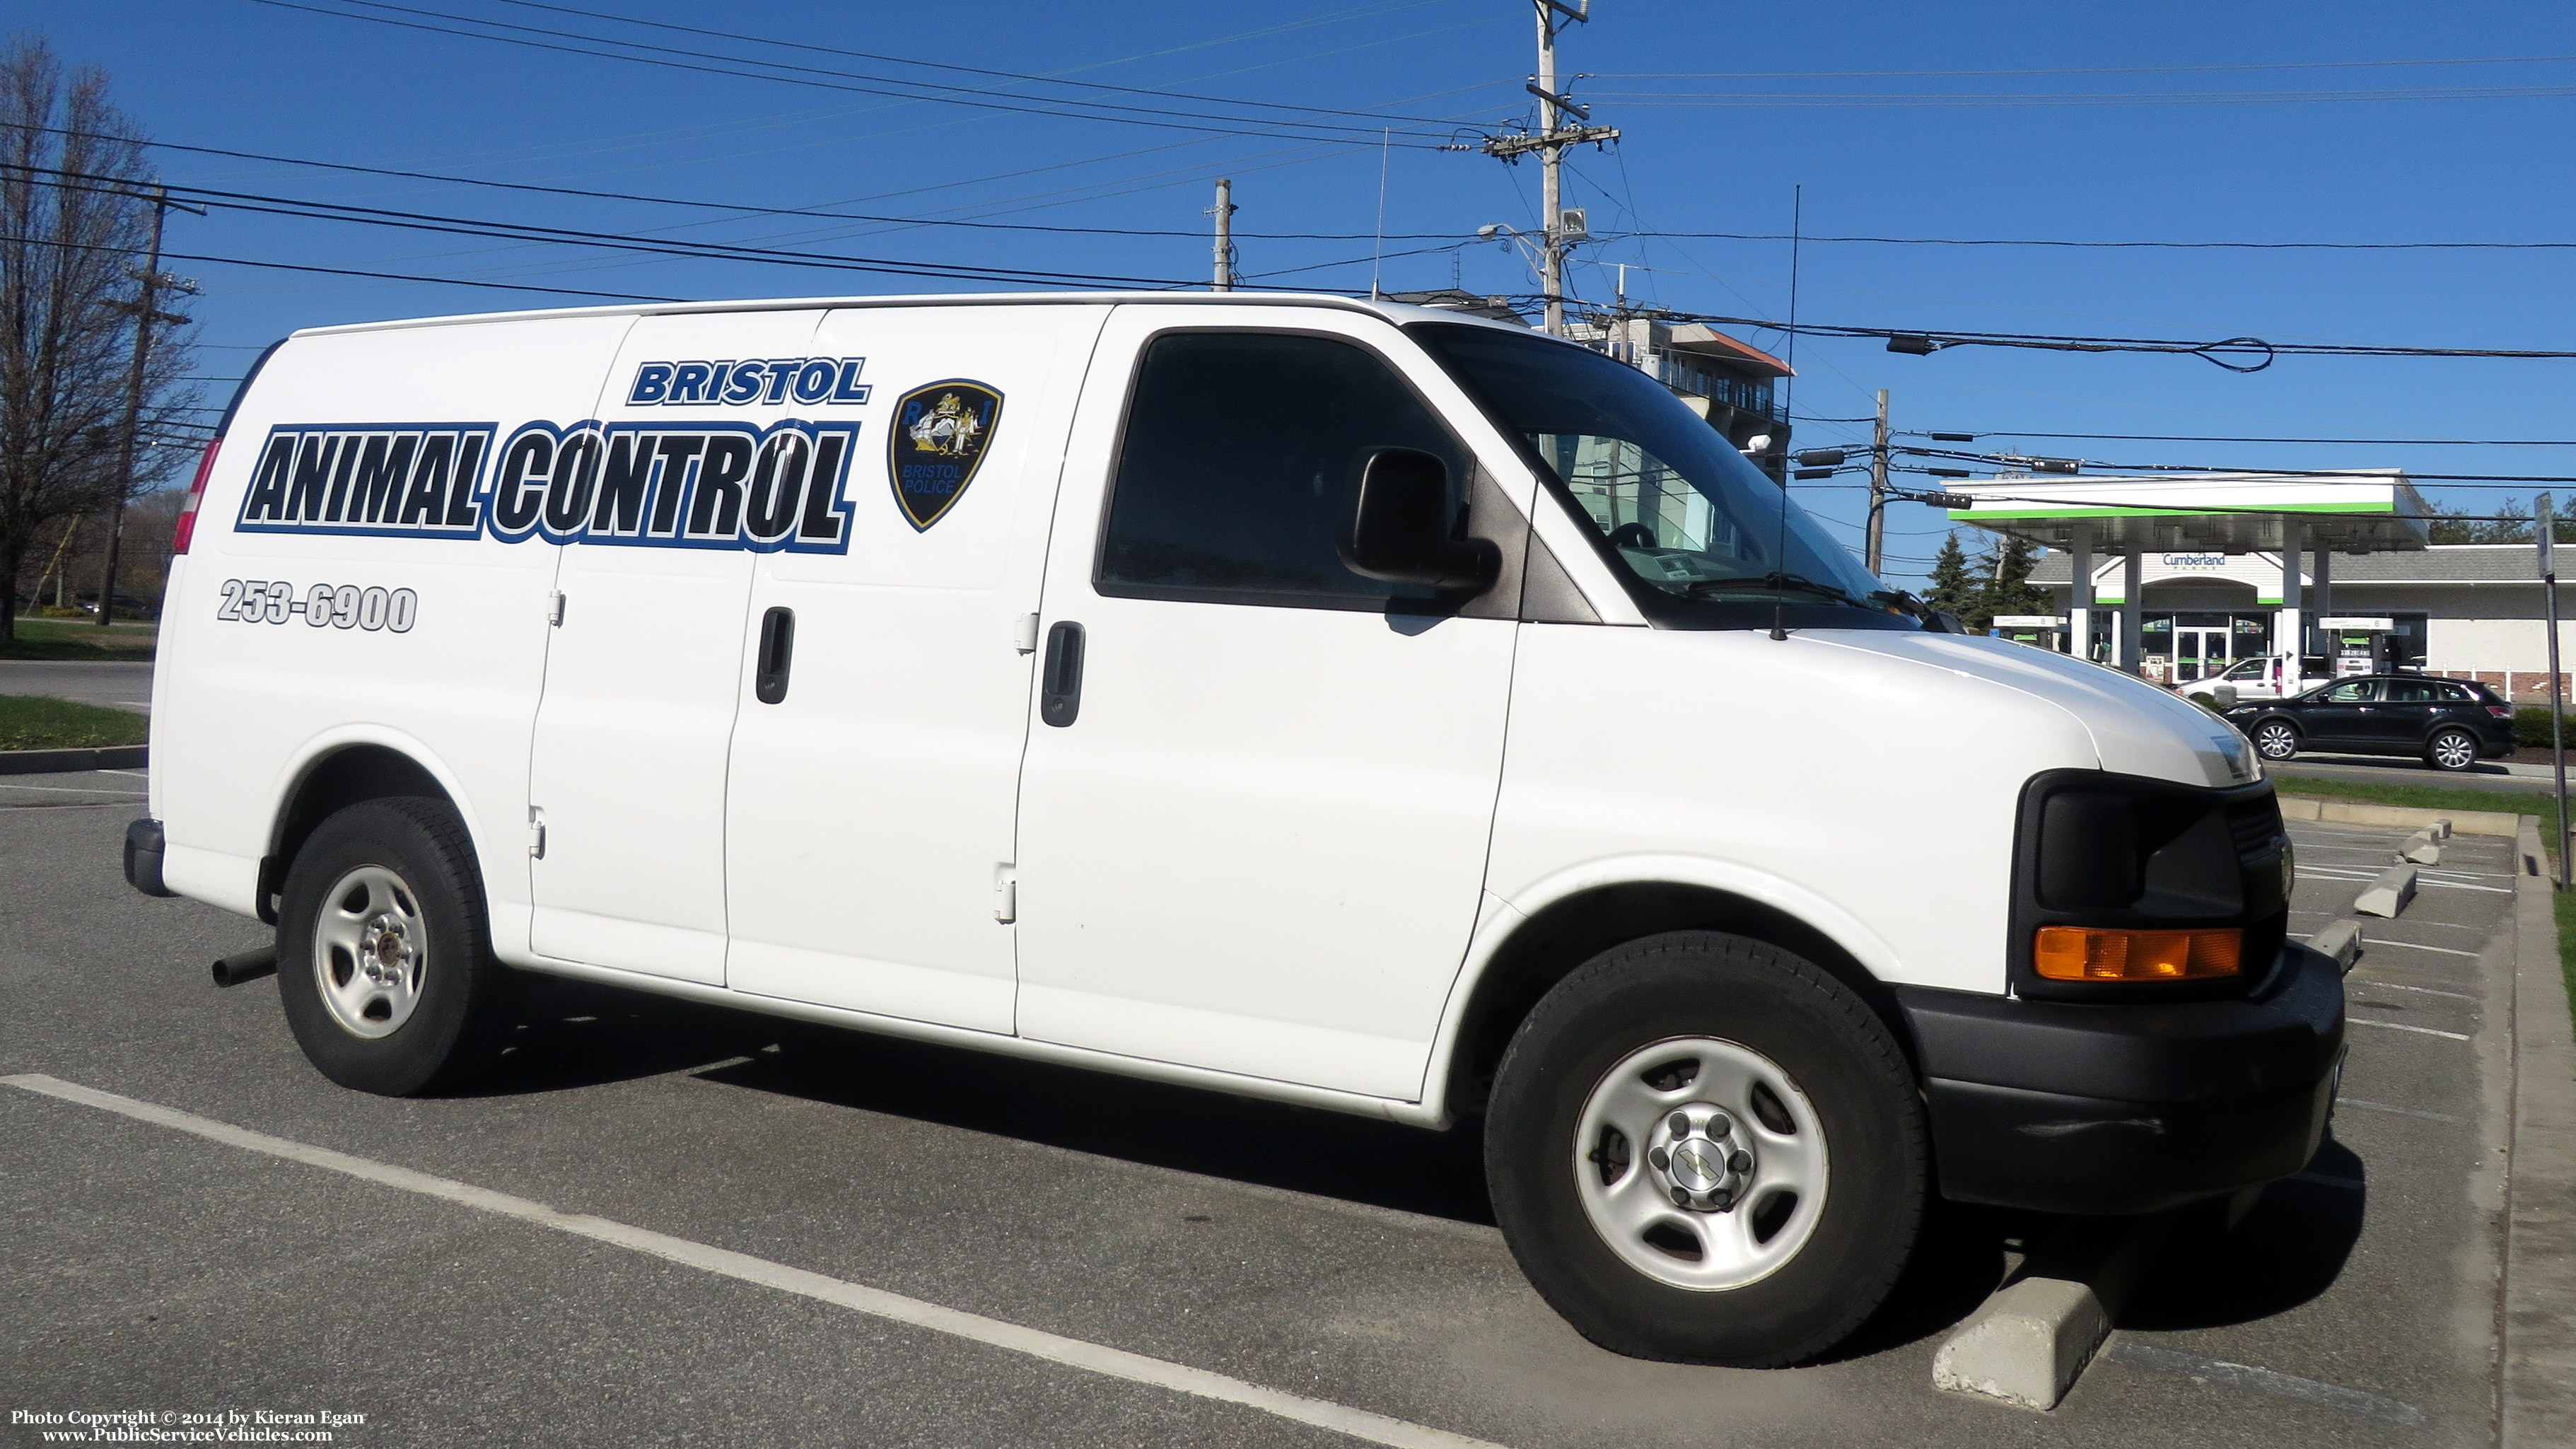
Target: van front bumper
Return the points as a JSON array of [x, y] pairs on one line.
[[2129, 1108]]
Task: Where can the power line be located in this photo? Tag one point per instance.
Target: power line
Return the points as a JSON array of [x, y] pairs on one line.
[[2033, 99], [2202, 438], [2236, 354], [817, 78], [2085, 70], [345, 271], [742, 209], [2259, 246], [930, 64], [529, 232], [1998, 460]]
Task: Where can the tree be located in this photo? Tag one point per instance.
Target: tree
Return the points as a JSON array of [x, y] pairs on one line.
[[2007, 588], [75, 215], [1949, 587]]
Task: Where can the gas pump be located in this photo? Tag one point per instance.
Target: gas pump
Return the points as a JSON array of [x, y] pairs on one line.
[[2040, 631], [2357, 646]]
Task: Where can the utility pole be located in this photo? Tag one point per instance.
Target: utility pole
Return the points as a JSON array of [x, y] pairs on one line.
[[1224, 214], [146, 313], [1877, 489], [2546, 520], [1550, 143]]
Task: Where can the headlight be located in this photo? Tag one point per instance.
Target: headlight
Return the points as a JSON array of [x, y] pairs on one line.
[[2124, 885]]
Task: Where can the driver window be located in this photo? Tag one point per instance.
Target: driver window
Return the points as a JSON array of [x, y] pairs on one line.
[[1240, 464], [2359, 691]]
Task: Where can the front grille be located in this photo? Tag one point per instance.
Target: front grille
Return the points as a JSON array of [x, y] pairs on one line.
[[2255, 825]]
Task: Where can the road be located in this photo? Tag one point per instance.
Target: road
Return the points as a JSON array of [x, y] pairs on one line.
[[118, 684], [1347, 1262]]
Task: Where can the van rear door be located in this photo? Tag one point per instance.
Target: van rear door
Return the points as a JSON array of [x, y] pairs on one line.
[[885, 703], [658, 507]]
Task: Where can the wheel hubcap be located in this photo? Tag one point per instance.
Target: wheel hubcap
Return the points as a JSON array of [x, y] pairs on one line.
[[2276, 741], [369, 948], [1700, 1163], [2454, 752]]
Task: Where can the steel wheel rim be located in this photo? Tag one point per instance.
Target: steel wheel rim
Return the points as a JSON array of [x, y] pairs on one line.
[[2276, 741], [1648, 1131], [2454, 751], [370, 951]]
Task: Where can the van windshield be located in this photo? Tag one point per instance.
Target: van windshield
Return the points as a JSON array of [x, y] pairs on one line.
[[1696, 529]]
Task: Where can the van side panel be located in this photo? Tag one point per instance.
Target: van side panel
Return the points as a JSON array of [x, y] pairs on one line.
[[1869, 797], [340, 589]]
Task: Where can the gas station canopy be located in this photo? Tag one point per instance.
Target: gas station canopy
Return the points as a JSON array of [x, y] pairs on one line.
[[2375, 511]]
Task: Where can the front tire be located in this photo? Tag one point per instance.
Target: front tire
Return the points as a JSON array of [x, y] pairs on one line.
[[384, 956], [2276, 739], [1703, 1149], [2451, 751]]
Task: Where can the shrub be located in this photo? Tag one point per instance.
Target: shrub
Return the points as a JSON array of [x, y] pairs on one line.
[[2531, 726]]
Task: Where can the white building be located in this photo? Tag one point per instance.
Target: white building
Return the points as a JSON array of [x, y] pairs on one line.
[[2191, 568]]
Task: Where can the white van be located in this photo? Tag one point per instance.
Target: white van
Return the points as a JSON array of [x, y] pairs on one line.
[[1342, 703]]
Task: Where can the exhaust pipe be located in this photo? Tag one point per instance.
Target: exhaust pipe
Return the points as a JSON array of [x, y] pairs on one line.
[[247, 966]]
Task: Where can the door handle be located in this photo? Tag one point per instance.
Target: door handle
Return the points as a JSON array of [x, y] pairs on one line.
[[777, 649], [1060, 680]]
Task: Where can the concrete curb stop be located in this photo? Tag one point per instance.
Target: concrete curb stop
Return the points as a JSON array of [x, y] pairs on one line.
[[2340, 940], [2388, 895], [65, 762], [2420, 848], [2355, 812], [2537, 1389], [2028, 1342]]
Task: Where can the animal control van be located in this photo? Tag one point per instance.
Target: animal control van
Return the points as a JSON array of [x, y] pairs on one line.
[[1342, 703]]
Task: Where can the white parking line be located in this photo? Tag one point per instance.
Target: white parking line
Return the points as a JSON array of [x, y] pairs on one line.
[[2401, 1026], [2341, 1102], [2421, 990], [75, 790], [875, 1302], [2129, 1351], [2437, 950]]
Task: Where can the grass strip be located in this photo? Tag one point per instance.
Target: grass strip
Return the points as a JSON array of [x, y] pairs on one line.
[[34, 722], [2423, 797], [71, 639]]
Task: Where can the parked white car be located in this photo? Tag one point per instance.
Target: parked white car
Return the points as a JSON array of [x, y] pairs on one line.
[[2264, 678], [1335, 702]]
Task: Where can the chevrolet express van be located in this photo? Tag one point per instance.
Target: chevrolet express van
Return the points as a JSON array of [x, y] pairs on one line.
[[1342, 703]]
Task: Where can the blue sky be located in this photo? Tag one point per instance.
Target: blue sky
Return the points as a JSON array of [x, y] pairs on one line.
[[2179, 122]]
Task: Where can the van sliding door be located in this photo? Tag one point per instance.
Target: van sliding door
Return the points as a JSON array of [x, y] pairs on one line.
[[659, 508], [884, 708]]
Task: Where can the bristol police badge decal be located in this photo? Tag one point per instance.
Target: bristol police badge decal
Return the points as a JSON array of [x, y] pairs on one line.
[[940, 435]]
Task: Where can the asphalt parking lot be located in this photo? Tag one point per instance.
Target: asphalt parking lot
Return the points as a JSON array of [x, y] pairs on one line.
[[1348, 1263]]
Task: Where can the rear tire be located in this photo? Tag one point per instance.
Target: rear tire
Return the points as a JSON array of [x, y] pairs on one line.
[[2276, 739], [2451, 751], [384, 960], [1614, 1153]]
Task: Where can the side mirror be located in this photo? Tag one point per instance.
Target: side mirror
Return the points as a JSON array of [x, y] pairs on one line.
[[1942, 621], [1400, 528]]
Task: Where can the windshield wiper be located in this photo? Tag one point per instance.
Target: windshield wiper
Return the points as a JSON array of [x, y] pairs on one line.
[[1780, 582]]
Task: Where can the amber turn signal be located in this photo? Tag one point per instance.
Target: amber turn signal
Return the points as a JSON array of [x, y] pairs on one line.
[[2095, 953]]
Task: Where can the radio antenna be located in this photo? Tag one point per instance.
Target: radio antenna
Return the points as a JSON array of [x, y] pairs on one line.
[[1788, 393]]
